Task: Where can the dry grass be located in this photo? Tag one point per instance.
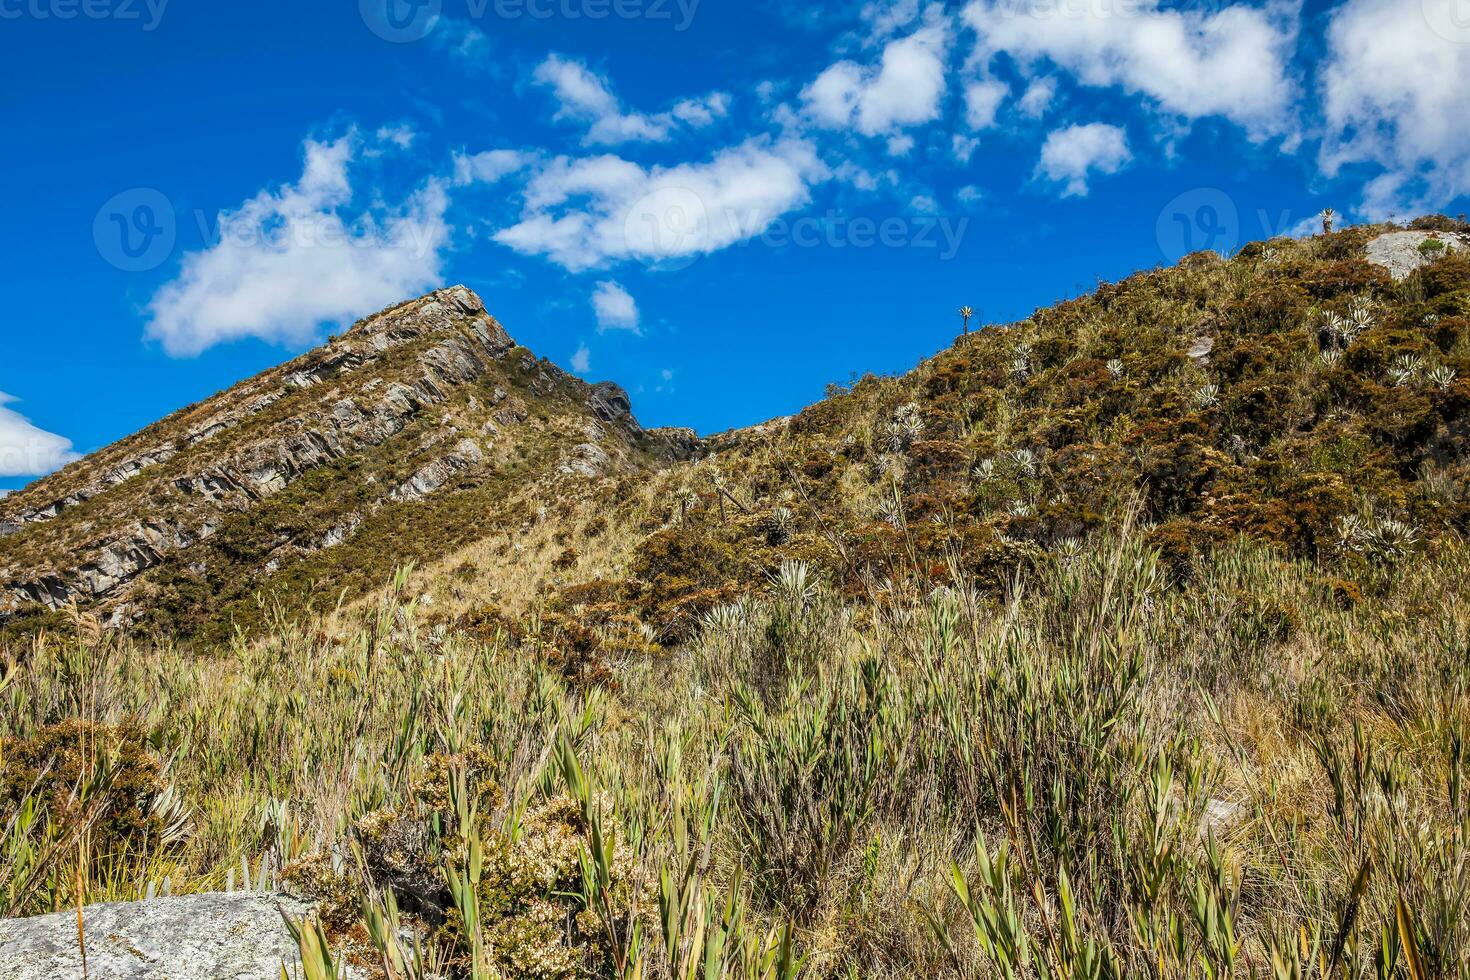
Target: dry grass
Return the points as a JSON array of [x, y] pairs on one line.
[[1120, 778]]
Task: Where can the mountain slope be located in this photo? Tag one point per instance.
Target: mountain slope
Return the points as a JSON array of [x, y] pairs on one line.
[[414, 431], [1313, 395], [1303, 394]]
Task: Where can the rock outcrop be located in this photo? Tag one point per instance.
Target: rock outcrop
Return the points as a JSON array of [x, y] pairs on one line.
[[408, 404], [239, 936], [1401, 252]]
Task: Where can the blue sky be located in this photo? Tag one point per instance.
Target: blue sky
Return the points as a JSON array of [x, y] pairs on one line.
[[722, 205]]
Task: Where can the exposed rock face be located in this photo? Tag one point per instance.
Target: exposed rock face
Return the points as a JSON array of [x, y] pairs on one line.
[[610, 402], [406, 386], [239, 936], [588, 460], [436, 474], [1401, 252]]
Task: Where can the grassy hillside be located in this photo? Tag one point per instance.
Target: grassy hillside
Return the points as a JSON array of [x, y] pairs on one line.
[[420, 430], [1129, 640]]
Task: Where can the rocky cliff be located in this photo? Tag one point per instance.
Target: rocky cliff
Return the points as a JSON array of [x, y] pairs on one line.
[[354, 443]]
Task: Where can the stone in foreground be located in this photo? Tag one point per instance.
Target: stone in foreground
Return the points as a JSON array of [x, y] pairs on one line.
[[238, 936]]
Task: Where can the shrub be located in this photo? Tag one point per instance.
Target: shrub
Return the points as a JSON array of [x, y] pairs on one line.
[[98, 777]]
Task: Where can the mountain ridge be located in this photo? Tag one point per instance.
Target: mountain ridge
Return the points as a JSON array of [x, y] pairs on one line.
[[82, 535], [1282, 394]]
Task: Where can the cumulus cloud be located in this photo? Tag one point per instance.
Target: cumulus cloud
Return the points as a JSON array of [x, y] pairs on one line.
[[592, 211], [489, 166], [615, 307], [1038, 97], [461, 38], [402, 135], [585, 96], [581, 361], [1393, 95], [1230, 62], [291, 260], [26, 450], [982, 102], [905, 89], [888, 17], [1071, 155]]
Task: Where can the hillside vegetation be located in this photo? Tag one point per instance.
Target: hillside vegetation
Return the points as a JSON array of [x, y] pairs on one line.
[[1129, 640]]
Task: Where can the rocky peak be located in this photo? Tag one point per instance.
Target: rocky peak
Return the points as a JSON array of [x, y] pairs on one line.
[[427, 398], [610, 402]]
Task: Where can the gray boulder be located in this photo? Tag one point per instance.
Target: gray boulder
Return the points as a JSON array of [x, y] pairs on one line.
[[238, 936], [1399, 251]]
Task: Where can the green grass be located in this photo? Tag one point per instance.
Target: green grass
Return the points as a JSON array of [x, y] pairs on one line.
[[1099, 776]]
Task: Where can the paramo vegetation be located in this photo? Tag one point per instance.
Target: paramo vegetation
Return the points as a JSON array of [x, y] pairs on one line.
[[1131, 640]]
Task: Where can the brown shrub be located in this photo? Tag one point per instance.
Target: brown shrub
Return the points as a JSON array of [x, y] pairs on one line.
[[79, 771]]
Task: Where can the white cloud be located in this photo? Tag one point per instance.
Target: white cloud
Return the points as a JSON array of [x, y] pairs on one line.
[[586, 97], [581, 361], [963, 148], [969, 194], [291, 260], [1230, 62], [905, 89], [592, 211], [702, 112], [923, 204], [615, 307], [1393, 95], [26, 450], [982, 102], [1038, 97], [1073, 154], [888, 17], [401, 135], [488, 167], [461, 38]]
